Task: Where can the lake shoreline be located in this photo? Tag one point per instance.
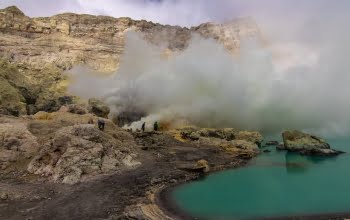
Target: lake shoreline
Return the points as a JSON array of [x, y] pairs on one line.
[[166, 202]]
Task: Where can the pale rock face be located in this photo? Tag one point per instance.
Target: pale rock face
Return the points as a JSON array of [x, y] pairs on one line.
[[79, 150], [16, 143], [98, 41], [41, 49]]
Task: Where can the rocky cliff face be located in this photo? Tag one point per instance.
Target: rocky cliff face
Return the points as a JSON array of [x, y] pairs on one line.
[[42, 48]]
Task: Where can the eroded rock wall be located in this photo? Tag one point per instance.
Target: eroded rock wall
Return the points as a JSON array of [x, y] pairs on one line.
[[41, 49]]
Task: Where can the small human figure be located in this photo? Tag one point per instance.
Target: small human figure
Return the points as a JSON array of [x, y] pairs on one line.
[[101, 124], [155, 126], [91, 121], [143, 126]]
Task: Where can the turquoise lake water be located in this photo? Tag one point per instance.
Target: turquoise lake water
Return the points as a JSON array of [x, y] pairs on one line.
[[274, 184]]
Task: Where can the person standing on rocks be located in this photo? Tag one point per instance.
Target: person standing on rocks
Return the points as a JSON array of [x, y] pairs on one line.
[[155, 126], [143, 126], [101, 124]]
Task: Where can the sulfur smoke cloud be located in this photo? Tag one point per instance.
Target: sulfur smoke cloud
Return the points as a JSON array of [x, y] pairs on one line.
[[299, 83]]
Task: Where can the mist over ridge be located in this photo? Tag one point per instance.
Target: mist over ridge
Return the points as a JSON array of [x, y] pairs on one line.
[[283, 85]]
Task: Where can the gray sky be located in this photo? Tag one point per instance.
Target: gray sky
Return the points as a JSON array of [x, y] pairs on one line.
[[186, 12]]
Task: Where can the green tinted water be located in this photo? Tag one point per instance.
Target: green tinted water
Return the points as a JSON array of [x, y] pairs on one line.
[[275, 184]]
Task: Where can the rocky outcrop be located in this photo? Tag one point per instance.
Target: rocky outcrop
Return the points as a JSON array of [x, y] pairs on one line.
[[40, 49], [15, 90], [63, 147], [306, 144], [98, 41], [16, 143], [81, 149], [228, 139], [194, 133], [29, 91]]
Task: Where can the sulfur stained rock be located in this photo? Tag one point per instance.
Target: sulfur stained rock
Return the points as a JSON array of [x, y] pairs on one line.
[[229, 139]]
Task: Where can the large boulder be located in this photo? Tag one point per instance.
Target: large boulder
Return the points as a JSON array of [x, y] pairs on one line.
[[306, 144], [81, 150], [98, 108]]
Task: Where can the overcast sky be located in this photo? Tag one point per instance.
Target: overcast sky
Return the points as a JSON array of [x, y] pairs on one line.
[[184, 12]]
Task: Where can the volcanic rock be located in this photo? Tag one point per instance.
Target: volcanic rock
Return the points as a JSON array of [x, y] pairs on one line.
[[229, 139], [16, 143], [98, 108], [81, 149], [251, 136], [36, 51], [306, 144], [194, 133]]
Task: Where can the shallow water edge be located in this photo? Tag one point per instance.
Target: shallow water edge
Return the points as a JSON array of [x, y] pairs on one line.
[[168, 204]]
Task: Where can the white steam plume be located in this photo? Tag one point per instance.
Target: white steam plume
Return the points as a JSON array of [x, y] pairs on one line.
[[282, 86]]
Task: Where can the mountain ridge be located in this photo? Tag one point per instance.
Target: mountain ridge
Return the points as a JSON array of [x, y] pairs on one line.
[[43, 48]]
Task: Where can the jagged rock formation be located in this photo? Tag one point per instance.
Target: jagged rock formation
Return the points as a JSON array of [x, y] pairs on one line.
[[64, 147], [82, 149], [97, 41], [306, 144], [40, 49]]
